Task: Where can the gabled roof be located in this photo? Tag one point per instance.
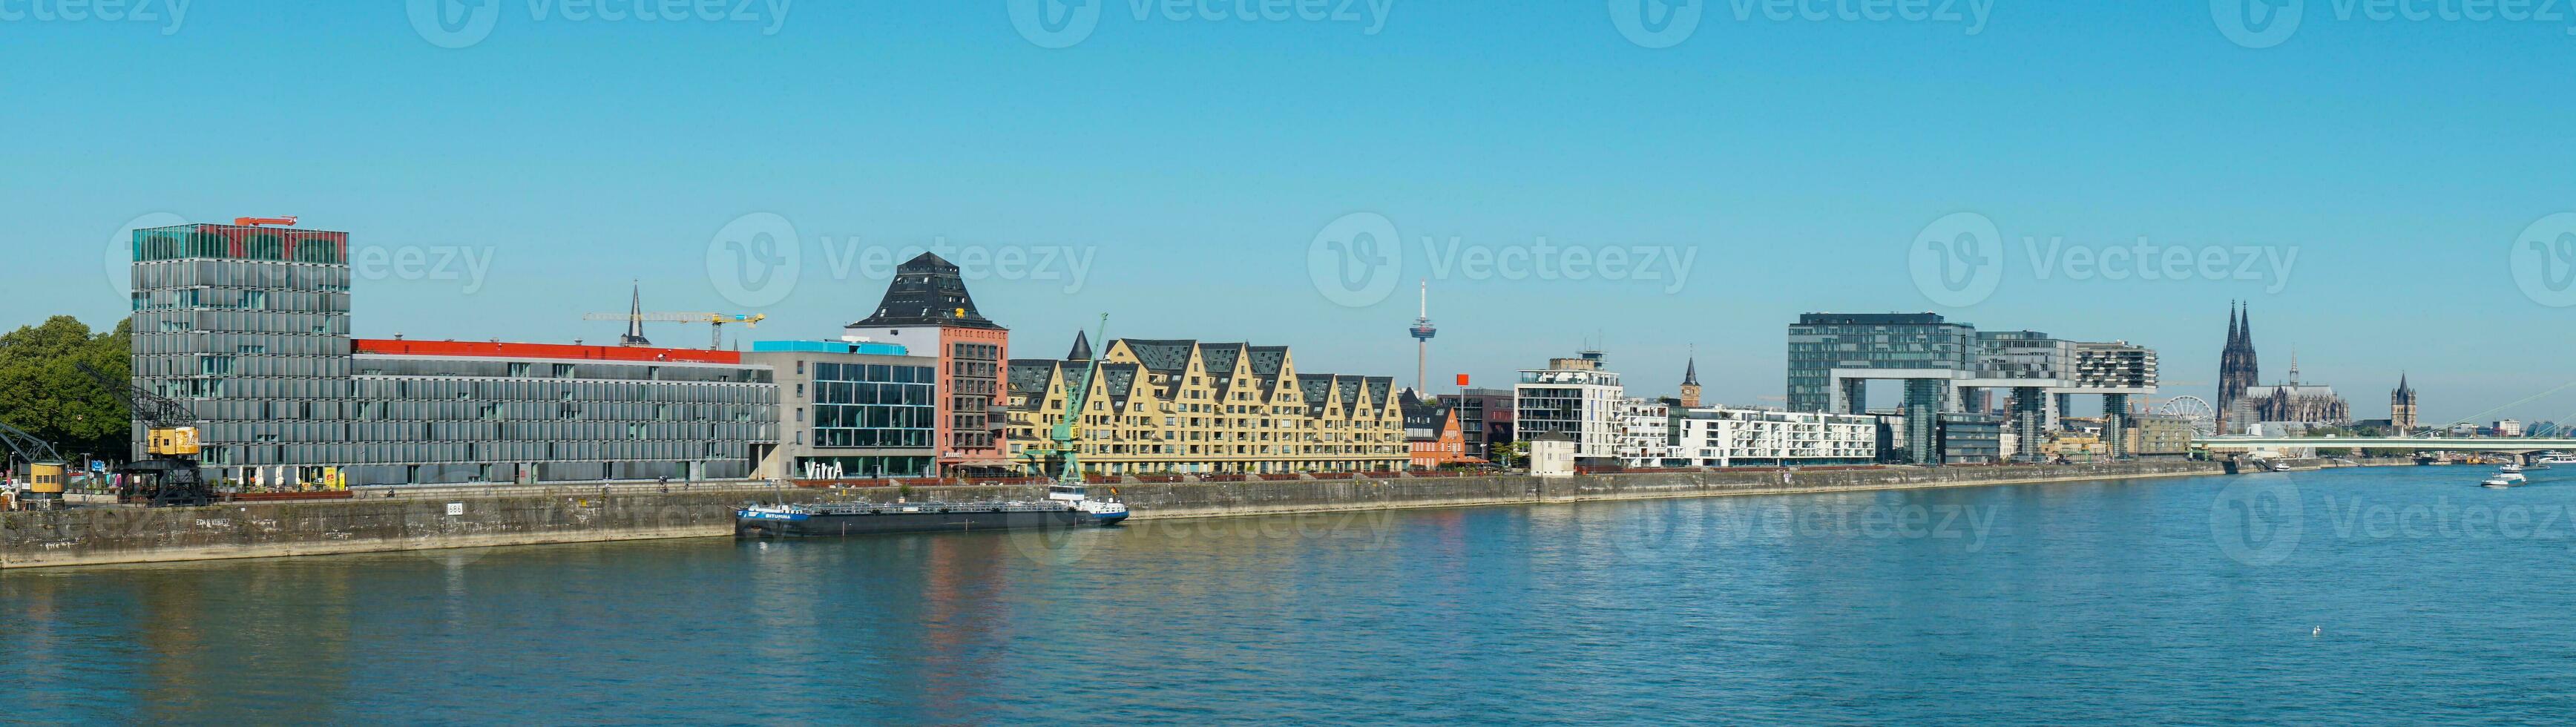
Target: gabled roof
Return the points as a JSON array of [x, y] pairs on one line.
[[1120, 378], [1317, 388], [1220, 357], [1030, 375], [1162, 355], [1267, 360]]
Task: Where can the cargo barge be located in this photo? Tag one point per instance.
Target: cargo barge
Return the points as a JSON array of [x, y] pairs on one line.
[[1067, 506]]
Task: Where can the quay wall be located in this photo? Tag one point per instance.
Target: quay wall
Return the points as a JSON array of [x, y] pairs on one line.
[[394, 519]]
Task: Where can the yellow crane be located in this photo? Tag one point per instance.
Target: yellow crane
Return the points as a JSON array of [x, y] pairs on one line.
[[715, 320]]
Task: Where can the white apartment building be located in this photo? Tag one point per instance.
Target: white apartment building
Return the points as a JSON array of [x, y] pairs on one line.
[[1729, 437], [1573, 397]]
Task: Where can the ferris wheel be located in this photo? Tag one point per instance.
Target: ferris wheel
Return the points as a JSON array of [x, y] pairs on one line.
[[2203, 417]]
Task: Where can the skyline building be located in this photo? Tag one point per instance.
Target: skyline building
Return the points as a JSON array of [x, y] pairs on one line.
[[2239, 369], [1187, 407], [1574, 399], [928, 311], [1949, 371]]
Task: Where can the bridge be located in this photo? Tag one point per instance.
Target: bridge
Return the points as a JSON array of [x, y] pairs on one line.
[[2517, 445]]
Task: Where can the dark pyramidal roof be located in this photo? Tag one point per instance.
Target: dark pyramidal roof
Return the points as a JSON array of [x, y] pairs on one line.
[[927, 291]]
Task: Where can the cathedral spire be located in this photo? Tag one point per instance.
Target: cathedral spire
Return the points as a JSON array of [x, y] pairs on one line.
[[635, 318]]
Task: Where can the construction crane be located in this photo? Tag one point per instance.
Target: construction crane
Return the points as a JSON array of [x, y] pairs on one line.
[[635, 318], [45, 465], [716, 320], [1068, 433], [170, 444], [287, 221]]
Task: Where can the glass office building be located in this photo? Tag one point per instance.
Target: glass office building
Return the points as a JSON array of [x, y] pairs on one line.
[[851, 410], [248, 327]]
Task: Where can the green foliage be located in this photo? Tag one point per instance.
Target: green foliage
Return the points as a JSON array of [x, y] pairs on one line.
[[42, 393]]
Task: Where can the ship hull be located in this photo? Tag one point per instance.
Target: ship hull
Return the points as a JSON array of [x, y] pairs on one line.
[[802, 525]]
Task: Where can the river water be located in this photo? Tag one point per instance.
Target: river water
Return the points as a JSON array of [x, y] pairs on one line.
[[2397, 595]]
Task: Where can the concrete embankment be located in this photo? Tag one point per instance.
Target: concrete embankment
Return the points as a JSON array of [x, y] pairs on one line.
[[465, 517]]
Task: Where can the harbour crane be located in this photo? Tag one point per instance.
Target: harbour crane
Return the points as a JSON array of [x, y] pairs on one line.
[[170, 444], [1068, 433], [45, 465]]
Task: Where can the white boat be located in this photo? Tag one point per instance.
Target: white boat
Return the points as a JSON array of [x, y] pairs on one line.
[[2280, 468], [2511, 469], [2515, 477], [2497, 482], [2557, 459], [1104, 511]]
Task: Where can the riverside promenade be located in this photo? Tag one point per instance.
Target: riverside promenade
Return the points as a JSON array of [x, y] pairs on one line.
[[428, 518]]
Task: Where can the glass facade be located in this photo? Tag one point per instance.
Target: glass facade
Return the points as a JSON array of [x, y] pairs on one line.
[[1822, 342], [249, 328], [873, 405]]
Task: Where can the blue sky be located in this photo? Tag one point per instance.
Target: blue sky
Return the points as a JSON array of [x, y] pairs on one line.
[[1193, 165]]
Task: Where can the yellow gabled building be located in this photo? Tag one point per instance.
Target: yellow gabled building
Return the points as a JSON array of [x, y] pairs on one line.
[[1185, 407]]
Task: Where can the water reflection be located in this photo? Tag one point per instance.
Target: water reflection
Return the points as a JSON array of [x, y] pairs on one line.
[[1847, 607]]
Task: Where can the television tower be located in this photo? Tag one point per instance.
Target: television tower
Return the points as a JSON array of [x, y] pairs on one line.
[[1422, 333]]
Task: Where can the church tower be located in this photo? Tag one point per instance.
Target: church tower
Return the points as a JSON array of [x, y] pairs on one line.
[[2401, 408], [1690, 383], [2238, 369]]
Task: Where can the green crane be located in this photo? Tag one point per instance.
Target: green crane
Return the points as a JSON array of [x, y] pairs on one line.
[[1069, 431]]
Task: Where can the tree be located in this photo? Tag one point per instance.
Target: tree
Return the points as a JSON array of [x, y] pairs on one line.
[[43, 393]]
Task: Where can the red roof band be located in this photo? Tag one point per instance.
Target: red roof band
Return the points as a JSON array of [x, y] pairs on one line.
[[487, 349]]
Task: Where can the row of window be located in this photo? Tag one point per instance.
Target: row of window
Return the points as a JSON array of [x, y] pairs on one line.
[[152, 275]]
